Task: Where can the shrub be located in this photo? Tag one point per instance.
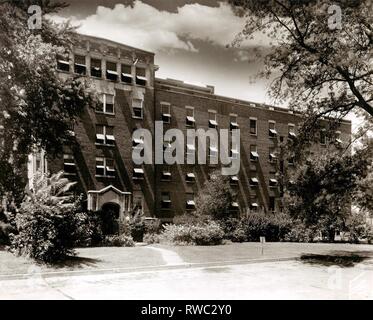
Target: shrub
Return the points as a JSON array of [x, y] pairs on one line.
[[208, 233], [47, 221], [151, 238], [233, 229], [272, 226], [239, 234], [5, 230], [137, 227], [300, 233], [118, 241], [152, 226], [45, 233], [357, 228]]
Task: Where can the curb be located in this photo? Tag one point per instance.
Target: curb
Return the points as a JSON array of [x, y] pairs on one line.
[[195, 265]]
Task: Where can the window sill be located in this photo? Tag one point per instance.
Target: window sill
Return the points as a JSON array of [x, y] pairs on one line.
[[69, 174], [104, 145], [105, 113], [101, 176], [137, 118]]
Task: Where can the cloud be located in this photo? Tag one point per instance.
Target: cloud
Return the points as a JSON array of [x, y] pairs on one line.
[[148, 28]]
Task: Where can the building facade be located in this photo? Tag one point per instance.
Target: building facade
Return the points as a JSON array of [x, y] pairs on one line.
[[131, 97]]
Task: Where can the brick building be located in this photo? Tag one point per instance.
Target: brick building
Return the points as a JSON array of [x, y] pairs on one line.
[[132, 97]]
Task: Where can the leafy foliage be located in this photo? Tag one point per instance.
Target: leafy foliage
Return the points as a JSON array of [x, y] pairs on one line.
[[320, 68], [272, 226], [118, 241], [37, 106], [208, 233], [216, 197], [47, 221]]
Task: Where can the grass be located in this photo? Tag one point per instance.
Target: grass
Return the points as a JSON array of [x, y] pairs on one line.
[[86, 259]]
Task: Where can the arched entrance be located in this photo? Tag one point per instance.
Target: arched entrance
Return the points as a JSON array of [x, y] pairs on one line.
[[110, 218]]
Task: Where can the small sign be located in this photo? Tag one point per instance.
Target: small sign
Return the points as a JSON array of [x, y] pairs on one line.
[[262, 239]]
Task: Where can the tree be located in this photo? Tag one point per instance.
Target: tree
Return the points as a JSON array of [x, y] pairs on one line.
[[321, 190], [216, 197], [321, 67], [37, 106]]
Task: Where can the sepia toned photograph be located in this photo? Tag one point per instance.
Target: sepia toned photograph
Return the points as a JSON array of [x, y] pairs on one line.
[[186, 150]]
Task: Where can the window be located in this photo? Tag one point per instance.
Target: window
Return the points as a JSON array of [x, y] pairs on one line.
[[105, 167], [254, 182], [111, 71], [191, 149], [105, 135], [166, 173], [137, 111], [137, 142], [79, 65], [69, 164], [96, 68], [272, 129], [212, 119], [338, 139], [190, 202], [190, 121], [63, 64], [165, 200], [272, 154], [254, 206], [166, 112], [253, 126], [190, 177], [126, 73], [323, 138], [138, 173], [235, 206], [273, 182], [106, 105], [234, 152], [254, 156], [233, 122], [213, 152], [291, 130], [141, 76], [234, 180]]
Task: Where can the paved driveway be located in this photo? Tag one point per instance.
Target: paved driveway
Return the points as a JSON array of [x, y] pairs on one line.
[[267, 280]]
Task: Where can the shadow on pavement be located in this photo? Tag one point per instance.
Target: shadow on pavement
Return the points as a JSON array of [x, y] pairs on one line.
[[344, 259], [77, 262]]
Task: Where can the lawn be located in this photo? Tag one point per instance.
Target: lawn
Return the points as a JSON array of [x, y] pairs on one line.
[[273, 250], [102, 258], [86, 259]]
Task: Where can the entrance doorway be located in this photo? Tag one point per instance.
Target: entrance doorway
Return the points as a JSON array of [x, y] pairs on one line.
[[110, 218]]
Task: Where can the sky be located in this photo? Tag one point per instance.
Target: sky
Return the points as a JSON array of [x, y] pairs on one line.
[[189, 39]]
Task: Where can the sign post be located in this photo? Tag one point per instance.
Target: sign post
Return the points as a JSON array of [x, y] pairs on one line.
[[262, 241]]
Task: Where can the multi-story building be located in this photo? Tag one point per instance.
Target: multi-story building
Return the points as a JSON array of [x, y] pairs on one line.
[[132, 97]]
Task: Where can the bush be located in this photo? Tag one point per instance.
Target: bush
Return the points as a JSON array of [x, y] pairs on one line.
[[45, 233], [272, 226], [152, 226], [357, 228], [151, 238], [208, 233], [300, 233], [5, 230], [233, 229], [137, 227], [119, 241]]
